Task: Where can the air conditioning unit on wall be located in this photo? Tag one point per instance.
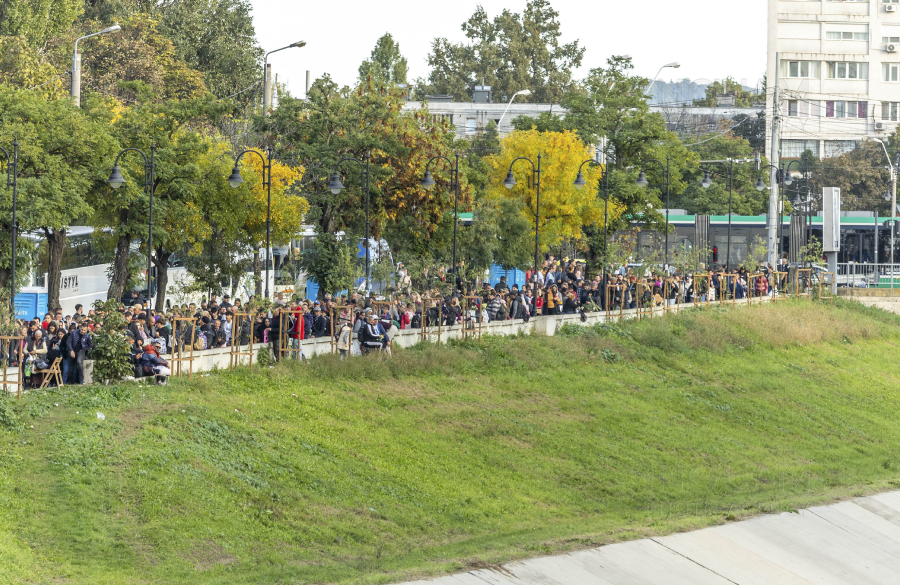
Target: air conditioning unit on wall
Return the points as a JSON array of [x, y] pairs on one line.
[[891, 48], [880, 126], [890, 8]]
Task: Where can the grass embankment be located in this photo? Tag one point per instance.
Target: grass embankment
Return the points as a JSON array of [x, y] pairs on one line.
[[374, 471]]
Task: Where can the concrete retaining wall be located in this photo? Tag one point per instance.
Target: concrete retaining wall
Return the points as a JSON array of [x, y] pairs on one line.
[[220, 359]]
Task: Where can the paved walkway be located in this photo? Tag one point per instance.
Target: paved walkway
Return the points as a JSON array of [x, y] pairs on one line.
[[853, 543]]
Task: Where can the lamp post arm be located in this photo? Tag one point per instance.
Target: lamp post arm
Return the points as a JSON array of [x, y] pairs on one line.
[[533, 168], [356, 160], [267, 164], [146, 163], [434, 158]]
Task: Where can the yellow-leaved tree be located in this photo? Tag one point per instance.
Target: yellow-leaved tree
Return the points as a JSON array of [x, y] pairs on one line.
[[564, 209], [288, 208]]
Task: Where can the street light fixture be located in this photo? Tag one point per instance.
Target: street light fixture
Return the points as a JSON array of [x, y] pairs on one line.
[[76, 63], [266, 88], [706, 183], [784, 179], [580, 183], [116, 180], [509, 183], [235, 181], [428, 183], [673, 65], [520, 92], [642, 182], [335, 186], [12, 171]]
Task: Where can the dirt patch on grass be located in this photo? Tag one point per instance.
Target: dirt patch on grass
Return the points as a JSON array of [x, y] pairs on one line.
[[134, 419], [207, 554]]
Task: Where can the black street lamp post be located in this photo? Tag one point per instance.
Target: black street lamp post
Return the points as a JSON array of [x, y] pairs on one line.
[[428, 183], [643, 182], [12, 170], [707, 182], [604, 180], [335, 186], [784, 179], [116, 180], [235, 181], [509, 183]]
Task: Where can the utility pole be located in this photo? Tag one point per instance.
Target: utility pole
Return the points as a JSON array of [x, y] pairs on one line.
[[267, 91], [771, 224], [893, 209]]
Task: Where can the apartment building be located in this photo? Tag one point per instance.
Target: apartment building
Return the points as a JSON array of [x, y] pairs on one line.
[[838, 68]]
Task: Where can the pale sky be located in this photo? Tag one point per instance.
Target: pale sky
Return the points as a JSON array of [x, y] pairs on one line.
[[710, 38]]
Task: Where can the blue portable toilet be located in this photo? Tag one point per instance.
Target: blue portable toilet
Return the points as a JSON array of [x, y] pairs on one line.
[[513, 276], [31, 302], [312, 289]]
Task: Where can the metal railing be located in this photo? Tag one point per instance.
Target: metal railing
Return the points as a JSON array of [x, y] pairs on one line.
[[867, 275]]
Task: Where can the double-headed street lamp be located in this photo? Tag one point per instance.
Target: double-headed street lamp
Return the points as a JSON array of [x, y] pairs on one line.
[[428, 183], [784, 179], [643, 182], [116, 180], [12, 170], [706, 183], [235, 181], [335, 186], [509, 183], [604, 180]]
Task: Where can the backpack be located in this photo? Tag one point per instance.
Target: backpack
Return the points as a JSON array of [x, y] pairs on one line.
[[416, 321], [502, 313]]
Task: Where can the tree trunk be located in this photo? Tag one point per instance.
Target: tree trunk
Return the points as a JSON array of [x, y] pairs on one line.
[[161, 261], [120, 268], [56, 245], [257, 277]]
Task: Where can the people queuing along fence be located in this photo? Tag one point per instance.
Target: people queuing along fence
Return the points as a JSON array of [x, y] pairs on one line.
[[360, 324]]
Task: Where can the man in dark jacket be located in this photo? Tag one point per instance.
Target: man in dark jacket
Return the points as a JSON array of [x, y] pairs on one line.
[[275, 334], [319, 326], [219, 337], [80, 342]]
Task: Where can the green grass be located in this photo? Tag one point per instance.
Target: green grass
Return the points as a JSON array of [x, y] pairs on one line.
[[373, 471]]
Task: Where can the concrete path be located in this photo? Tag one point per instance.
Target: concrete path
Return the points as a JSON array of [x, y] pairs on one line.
[[853, 543]]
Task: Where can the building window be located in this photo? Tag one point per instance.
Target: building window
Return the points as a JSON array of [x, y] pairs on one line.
[[887, 40], [846, 109], [890, 1], [891, 72], [801, 109], [842, 70], [846, 36], [800, 69], [795, 148], [890, 111], [834, 148], [470, 125]]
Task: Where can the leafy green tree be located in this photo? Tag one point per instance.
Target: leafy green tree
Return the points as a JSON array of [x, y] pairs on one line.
[[137, 64], [728, 86], [334, 123], [330, 263], [386, 64], [509, 52], [24, 66], [745, 199], [752, 129], [63, 155], [177, 178], [861, 174], [609, 107], [111, 348], [38, 20], [217, 38]]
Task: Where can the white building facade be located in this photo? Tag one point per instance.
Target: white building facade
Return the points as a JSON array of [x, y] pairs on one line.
[[837, 63]]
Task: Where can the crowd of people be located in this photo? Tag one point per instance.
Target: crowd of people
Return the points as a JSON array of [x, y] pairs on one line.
[[360, 323]]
